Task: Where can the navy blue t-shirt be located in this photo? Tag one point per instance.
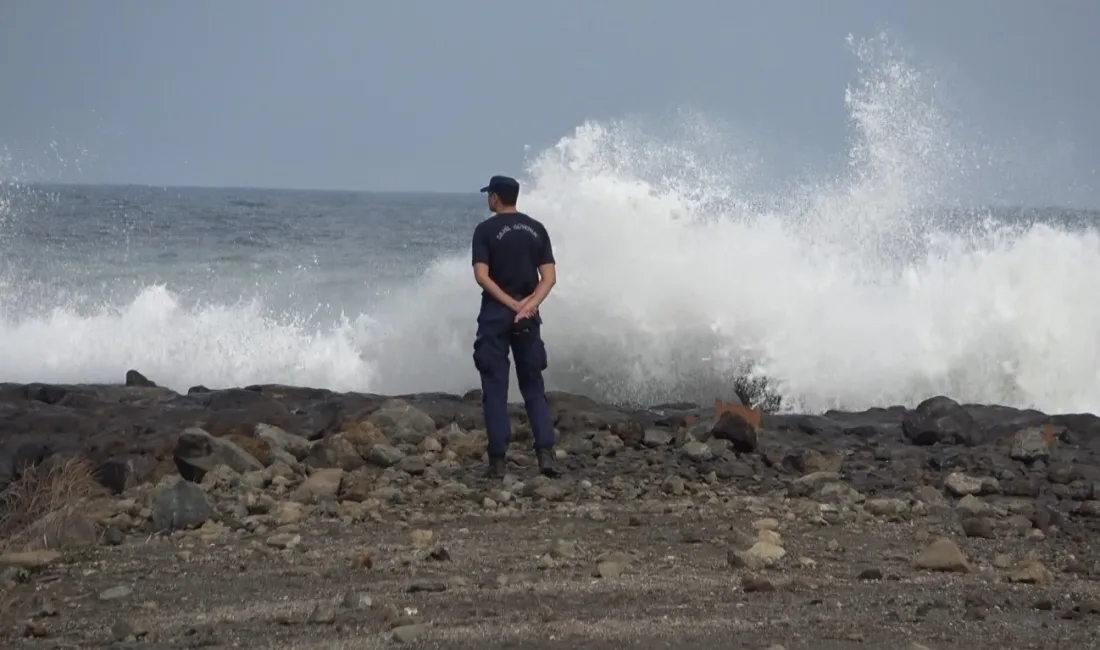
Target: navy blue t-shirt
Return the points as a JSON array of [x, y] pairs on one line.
[[514, 246]]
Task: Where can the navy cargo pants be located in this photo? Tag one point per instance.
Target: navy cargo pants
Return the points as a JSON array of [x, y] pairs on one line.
[[496, 334]]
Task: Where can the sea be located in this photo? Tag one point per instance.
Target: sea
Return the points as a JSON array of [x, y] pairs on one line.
[[680, 273]]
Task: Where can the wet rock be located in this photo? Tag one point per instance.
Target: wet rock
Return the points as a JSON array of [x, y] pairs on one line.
[[741, 435], [135, 378], [941, 420]]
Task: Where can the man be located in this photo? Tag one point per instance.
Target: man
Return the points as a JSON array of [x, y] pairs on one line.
[[514, 265]]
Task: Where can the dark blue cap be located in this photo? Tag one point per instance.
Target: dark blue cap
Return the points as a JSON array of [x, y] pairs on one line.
[[500, 184]]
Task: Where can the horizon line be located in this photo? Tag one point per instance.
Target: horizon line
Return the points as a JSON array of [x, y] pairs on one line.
[[169, 186], [407, 192]]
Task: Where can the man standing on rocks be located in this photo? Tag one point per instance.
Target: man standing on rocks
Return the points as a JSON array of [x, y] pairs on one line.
[[514, 265]]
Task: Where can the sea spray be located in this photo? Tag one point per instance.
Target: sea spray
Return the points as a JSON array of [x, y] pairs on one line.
[[682, 272]]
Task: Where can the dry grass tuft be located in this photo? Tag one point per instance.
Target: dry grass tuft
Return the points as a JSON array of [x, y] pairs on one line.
[[38, 509]]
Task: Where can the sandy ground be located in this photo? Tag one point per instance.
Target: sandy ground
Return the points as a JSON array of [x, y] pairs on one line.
[[530, 580]]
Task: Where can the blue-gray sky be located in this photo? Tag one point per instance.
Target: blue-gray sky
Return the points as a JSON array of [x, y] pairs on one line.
[[437, 94]]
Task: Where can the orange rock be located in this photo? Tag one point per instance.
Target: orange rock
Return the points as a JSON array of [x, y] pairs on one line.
[[750, 415], [363, 560], [255, 446]]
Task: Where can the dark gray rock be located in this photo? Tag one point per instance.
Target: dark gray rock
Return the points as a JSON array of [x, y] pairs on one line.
[[941, 420], [740, 434], [179, 504]]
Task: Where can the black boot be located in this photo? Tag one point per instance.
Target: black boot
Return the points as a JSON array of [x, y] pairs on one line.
[[497, 468], [546, 463]]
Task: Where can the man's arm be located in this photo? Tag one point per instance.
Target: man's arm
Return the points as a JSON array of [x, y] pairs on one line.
[[548, 277], [480, 250], [481, 274]]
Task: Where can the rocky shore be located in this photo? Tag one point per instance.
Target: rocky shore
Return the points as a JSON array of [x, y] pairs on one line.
[[288, 517]]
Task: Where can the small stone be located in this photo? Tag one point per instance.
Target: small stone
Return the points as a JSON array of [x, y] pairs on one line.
[[323, 614], [978, 527], [45, 607], [1030, 571], [125, 630], [180, 505], [656, 438], [756, 584], [355, 601], [284, 541], [943, 555], [384, 455], [767, 553], [673, 485], [421, 538], [408, 633], [611, 565], [321, 485], [288, 512], [563, 549], [112, 536], [427, 586], [929, 495], [363, 560], [769, 536], [29, 560], [1031, 444], [886, 507], [697, 451], [972, 506], [438, 554], [960, 484], [115, 593]]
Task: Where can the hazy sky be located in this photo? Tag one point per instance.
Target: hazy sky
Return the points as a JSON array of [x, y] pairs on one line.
[[438, 94]]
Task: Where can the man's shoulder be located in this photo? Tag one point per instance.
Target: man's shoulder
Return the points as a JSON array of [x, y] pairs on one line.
[[483, 226], [531, 221]]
